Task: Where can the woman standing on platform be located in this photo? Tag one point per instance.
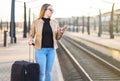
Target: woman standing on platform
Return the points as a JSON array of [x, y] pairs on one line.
[[45, 32]]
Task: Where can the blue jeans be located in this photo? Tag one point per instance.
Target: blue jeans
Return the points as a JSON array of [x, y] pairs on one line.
[[45, 58]]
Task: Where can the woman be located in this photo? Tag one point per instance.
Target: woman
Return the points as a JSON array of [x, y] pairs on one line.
[[44, 31]]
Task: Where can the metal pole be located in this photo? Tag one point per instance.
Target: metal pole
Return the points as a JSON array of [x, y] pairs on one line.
[[117, 23], [25, 25], [100, 25], [83, 24], [7, 25], [29, 22], [1, 28], [77, 24], [1, 25], [73, 24], [111, 23], [94, 24], [88, 25], [12, 22]]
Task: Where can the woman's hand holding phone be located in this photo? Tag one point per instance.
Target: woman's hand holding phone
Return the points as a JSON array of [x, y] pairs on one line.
[[63, 29]]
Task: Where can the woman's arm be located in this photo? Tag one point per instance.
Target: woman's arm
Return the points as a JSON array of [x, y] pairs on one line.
[[60, 31]]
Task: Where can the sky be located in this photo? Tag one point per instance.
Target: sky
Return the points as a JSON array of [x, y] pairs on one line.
[[62, 8]]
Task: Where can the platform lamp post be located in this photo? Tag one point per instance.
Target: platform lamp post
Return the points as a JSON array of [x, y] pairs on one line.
[[7, 25], [25, 24], [77, 24], [72, 24], [100, 24], [1, 28], [83, 24], [88, 25], [12, 23], [111, 23], [1, 25], [94, 24], [117, 23], [29, 22]]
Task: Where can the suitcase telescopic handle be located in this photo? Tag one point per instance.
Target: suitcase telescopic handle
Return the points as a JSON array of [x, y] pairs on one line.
[[30, 54]]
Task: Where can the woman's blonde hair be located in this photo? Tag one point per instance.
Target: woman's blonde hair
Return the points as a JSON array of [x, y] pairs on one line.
[[42, 11]]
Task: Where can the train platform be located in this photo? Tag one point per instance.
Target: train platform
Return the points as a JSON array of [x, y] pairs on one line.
[[103, 40], [20, 51]]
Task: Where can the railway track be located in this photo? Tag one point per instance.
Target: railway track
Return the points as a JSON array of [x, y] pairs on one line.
[[69, 70], [89, 66]]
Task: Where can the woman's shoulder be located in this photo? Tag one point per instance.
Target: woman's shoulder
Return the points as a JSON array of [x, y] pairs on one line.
[[38, 21]]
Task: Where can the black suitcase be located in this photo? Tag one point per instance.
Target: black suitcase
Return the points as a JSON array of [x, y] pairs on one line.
[[32, 69], [25, 71], [18, 71], [32, 72]]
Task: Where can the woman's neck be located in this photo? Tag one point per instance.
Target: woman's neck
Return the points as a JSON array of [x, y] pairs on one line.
[[46, 17]]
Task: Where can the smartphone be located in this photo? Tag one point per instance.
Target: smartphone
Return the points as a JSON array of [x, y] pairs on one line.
[[64, 28]]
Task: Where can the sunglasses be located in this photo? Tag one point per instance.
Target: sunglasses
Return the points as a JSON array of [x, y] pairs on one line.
[[50, 10]]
